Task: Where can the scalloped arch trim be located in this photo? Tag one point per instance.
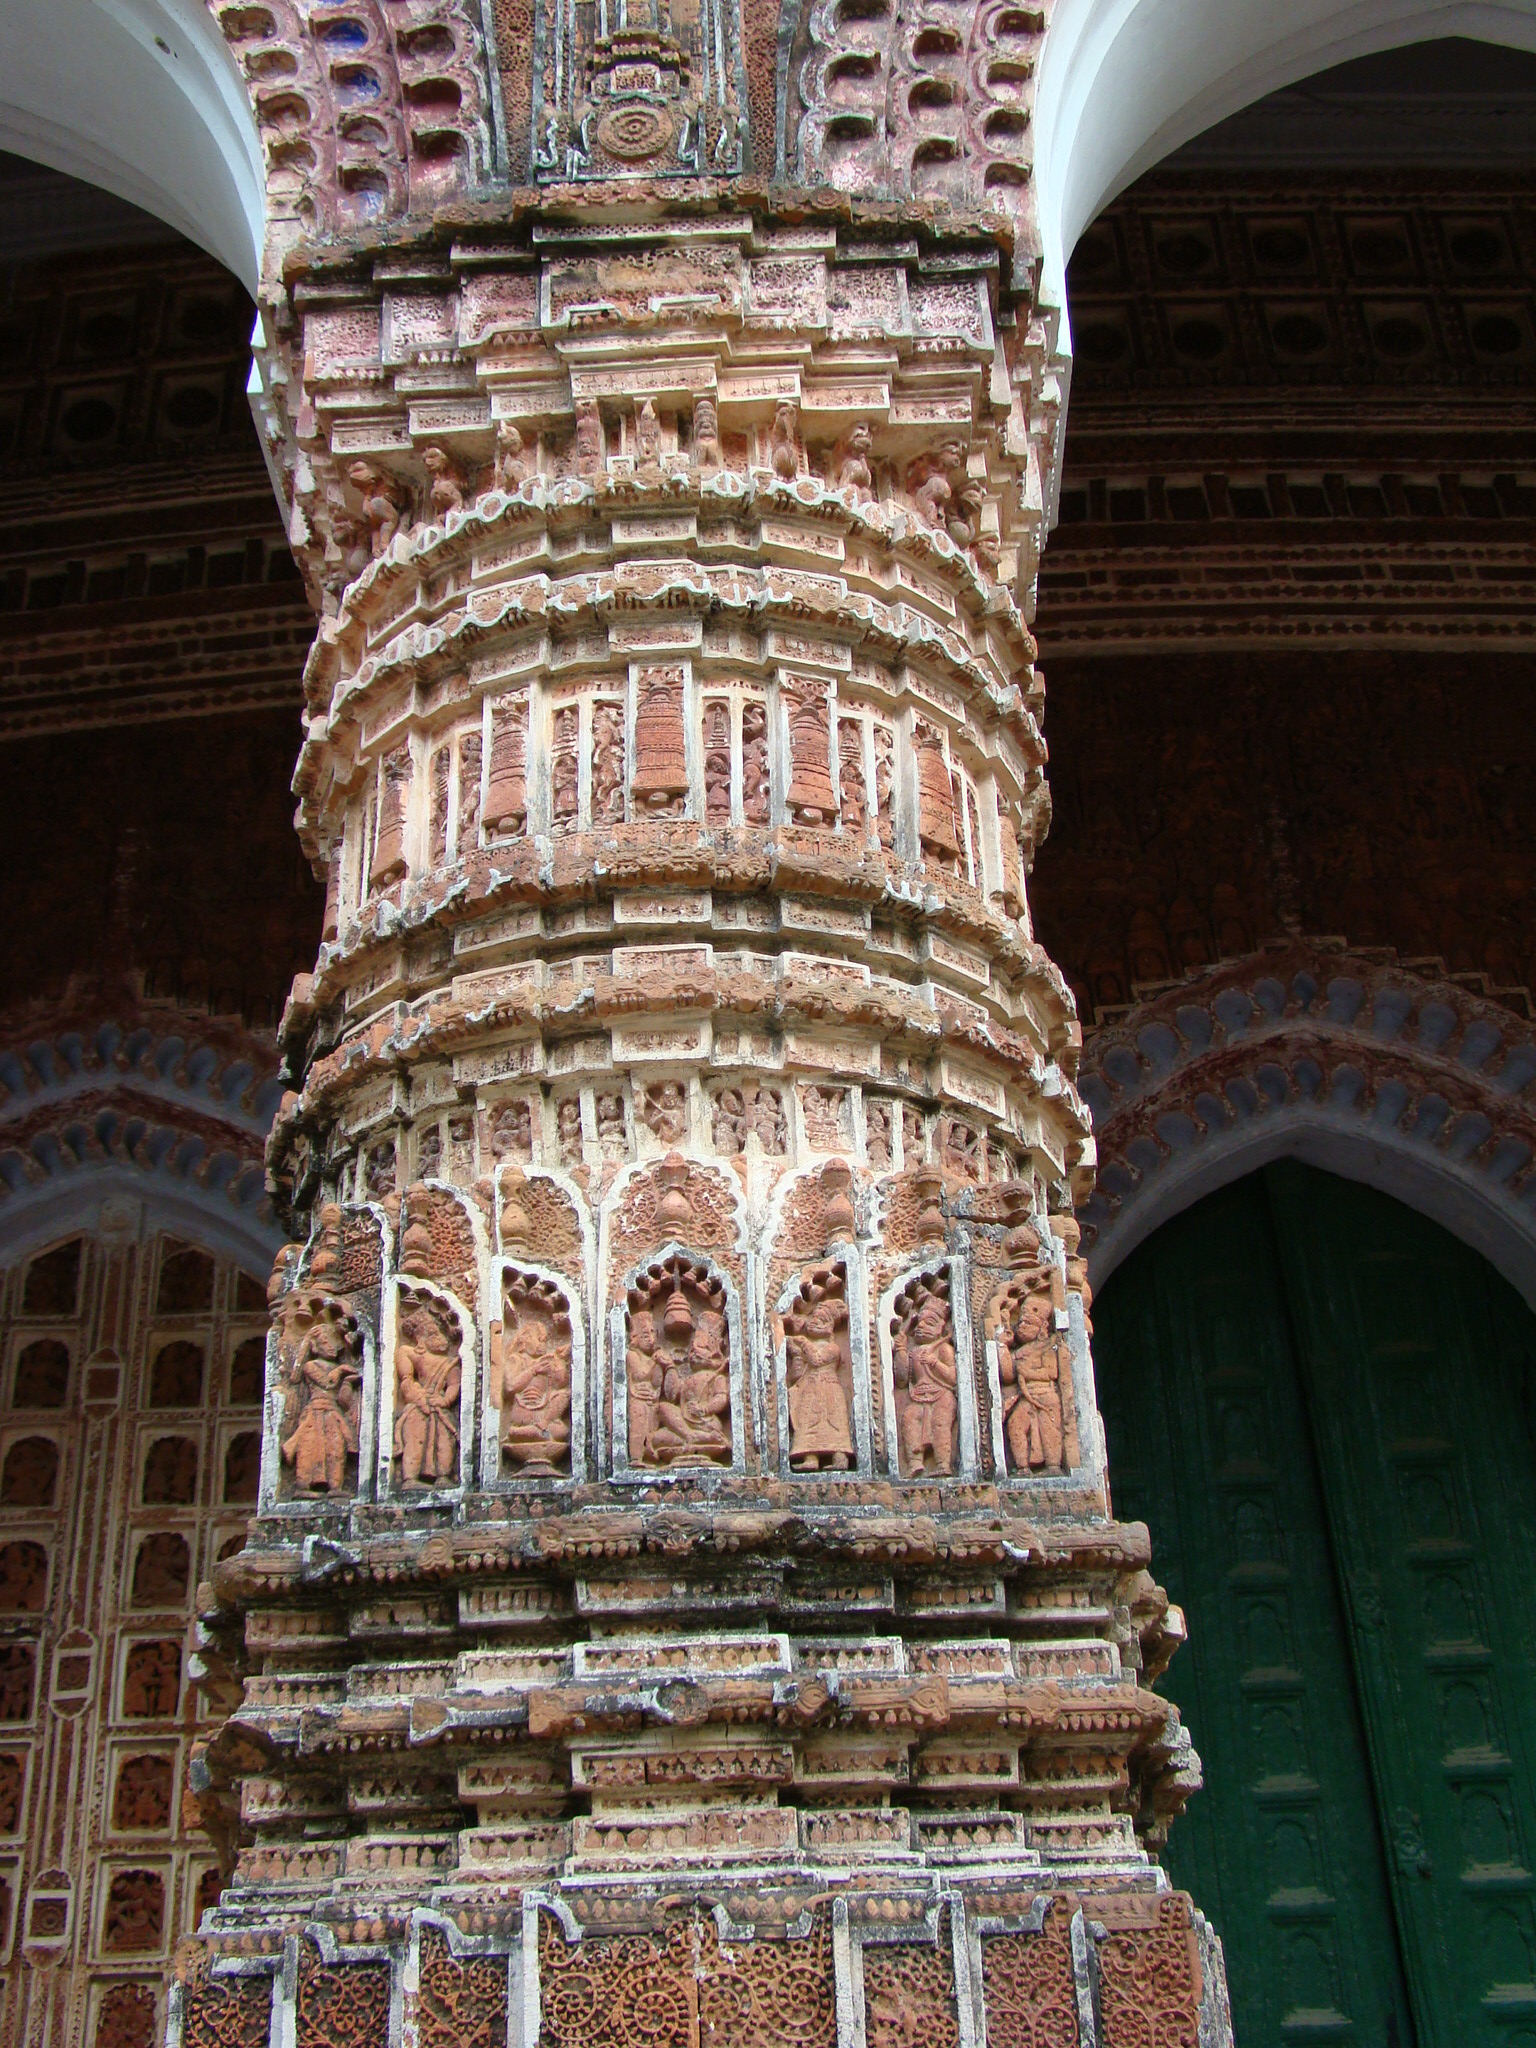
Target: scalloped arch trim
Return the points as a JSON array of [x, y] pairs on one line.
[[1347, 1060]]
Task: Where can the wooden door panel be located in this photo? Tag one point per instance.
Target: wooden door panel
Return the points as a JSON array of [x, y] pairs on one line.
[[1207, 1441], [1412, 1353]]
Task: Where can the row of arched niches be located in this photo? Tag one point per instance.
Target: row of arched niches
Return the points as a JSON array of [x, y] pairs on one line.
[[517, 1338]]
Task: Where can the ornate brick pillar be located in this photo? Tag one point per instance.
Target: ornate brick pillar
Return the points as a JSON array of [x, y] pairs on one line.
[[684, 1603]]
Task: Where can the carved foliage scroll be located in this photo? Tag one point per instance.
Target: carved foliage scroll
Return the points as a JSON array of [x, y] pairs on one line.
[[226, 2012], [341, 2005], [683, 1988], [126, 2018], [463, 2004], [909, 1995], [1150, 1982], [1031, 1994]]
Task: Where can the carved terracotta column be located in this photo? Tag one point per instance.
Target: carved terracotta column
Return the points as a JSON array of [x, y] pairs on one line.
[[683, 1512]]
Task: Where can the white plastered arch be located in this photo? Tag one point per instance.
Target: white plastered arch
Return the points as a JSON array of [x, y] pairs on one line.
[[1123, 83], [143, 98]]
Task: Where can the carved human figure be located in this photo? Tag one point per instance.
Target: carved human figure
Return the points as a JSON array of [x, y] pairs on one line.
[[914, 1138], [445, 492], [647, 435], [741, 1111], [877, 1134], [706, 432], [471, 751], [568, 1130], [322, 1405], [385, 503], [564, 769], [818, 1371], [511, 467], [677, 1369], [853, 471], [611, 1133], [824, 1110], [607, 764], [717, 763], [643, 1382], [427, 1379], [1034, 1363], [692, 1421], [885, 777], [962, 1148], [531, 1358], [590, 449], [784, 442], [850, 776], [511, 1131], [665, 1111], [925, 1375], [754, 763]]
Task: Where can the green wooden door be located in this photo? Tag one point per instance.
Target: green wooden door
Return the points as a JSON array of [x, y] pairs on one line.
[[1414, 1354], [1202, 1407], [1319, 1401]]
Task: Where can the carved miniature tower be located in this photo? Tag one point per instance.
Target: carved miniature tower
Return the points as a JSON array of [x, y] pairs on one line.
[[684, 1605]]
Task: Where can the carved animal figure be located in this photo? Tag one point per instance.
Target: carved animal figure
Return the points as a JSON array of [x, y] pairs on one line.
[[853, 465], [783, 443], [510, 468], [445, 493], [385, 503]]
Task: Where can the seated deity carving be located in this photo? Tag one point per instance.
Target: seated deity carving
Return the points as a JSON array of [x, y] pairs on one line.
[[427, 1380], [678, 1368], [1034, 1366], [531, 1368], [322, 1402], [925, 1374], [818, 1370]]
